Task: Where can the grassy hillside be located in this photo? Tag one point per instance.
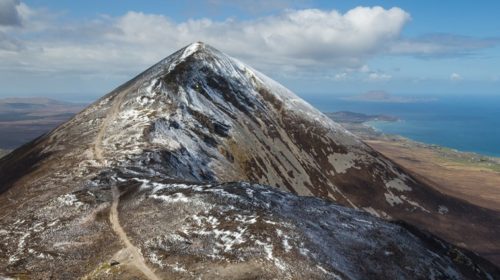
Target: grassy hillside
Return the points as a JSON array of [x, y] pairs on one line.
[[449, 171]]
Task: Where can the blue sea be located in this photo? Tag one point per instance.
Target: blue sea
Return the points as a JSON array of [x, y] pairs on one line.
[[463, 122]]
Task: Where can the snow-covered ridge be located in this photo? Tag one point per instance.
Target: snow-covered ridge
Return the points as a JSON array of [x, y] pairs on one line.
[[231, 67]]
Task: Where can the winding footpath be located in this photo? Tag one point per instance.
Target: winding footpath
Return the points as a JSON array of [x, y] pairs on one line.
[[110, 117], [130, 254]]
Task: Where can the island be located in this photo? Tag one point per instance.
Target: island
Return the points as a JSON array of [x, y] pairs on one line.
[[357, 122]]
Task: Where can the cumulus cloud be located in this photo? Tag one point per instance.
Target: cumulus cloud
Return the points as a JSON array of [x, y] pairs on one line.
[[252, 6], [293, 40], [364, 69], [9, 15], [294, 43], [441, 45], [378, 77], [456, 77], [341, 76], [298, 38]]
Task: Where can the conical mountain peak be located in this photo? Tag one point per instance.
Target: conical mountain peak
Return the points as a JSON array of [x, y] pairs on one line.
[[193, 48], [196, 46], [171, 138]]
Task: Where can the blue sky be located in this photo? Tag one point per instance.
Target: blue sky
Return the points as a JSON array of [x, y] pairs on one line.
[[80, 50]]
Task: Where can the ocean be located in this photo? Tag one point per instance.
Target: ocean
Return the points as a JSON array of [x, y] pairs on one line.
[[463, 122]]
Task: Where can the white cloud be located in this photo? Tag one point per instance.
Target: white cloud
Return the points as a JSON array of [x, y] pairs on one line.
[[455, 77], [249, 6], [341, 76], [305, 43], [378, 77], [364, 69], [9, 15], [441, 45], [292, 41]]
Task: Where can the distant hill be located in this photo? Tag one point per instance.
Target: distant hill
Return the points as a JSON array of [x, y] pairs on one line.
[[3, 152], [383, 96], [352, 117], [23, 119]]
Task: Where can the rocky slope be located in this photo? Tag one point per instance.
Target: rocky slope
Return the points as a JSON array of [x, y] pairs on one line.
[[201, 117], [123, 225]]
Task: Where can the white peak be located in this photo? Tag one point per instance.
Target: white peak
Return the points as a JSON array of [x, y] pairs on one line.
[[192, 48], [196, 45], [199, 44]]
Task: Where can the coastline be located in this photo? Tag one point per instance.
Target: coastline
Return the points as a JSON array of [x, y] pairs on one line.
[[463, 157], [466, 175], [365, 126]]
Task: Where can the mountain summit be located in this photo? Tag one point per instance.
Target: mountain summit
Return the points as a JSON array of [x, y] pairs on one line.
[[142, 176]]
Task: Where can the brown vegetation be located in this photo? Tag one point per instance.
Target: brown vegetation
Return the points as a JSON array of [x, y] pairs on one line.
[[478, 185]]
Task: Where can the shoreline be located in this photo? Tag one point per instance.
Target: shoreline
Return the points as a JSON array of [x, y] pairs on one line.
[[373, 125], [470, 157], [364, 126], [465, 175]]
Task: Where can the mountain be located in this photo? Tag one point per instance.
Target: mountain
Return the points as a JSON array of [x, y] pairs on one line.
[[28, 108], [137, 183]]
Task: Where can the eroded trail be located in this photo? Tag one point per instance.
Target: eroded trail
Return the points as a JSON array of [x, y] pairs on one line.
[[110, 117], [130, 254]]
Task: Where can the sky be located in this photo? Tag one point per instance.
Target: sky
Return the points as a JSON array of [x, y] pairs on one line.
[[80, 50]]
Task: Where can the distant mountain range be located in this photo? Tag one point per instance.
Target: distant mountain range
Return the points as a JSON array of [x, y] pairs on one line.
[[23, 119], [202, 167]]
